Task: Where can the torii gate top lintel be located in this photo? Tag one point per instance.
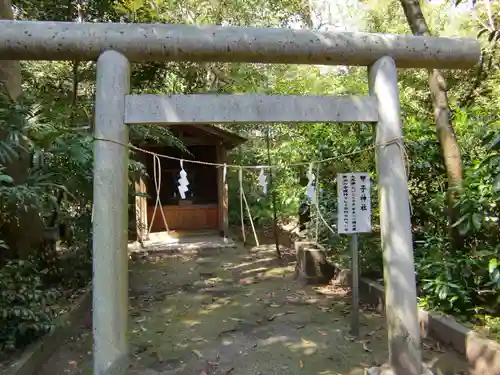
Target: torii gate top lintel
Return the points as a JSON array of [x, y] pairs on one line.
[[42, 40]]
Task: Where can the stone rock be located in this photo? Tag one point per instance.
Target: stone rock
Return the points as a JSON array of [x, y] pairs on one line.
[[312, 264], [427, 371], [343, 278], [375, 370], [385, 369], [446, 364]]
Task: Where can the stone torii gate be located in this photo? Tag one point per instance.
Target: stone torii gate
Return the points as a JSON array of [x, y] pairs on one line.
[[115, 46]]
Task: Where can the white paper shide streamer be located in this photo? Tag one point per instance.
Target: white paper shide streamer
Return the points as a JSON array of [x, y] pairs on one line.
[[183, 182], [263, 180], [311, 185]]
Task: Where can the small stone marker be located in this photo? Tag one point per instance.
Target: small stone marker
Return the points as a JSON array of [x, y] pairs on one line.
[[312, 264]]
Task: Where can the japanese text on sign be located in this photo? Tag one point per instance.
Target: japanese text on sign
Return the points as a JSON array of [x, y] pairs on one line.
[[354, 204]]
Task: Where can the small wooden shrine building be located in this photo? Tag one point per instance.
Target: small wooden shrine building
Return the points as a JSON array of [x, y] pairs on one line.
[[205, 206]]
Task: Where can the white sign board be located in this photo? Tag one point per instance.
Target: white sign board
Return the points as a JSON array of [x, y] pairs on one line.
[[354, 204]]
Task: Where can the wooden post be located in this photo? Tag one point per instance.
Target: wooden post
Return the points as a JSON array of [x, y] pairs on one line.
[[273, 195], [141, 214], [141, 205], [222, 193]]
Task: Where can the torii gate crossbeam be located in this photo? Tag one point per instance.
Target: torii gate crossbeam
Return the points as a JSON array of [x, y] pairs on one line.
[[33, 40]]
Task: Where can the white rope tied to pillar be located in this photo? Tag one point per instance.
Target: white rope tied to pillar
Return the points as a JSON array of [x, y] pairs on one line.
[[157, 181], [405, 159], [237, 166], [406, 169], [377, 146]]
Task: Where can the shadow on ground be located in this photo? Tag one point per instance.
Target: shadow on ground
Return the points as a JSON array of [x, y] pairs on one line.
[[233, 311]]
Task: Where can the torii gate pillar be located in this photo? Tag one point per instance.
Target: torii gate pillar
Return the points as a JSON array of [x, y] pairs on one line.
[[395, 223], [110, 224]]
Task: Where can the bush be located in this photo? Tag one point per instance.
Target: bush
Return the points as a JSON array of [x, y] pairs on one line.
[[464, 281], [26, 307]]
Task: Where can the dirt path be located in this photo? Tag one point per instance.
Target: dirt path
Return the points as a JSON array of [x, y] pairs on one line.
[[233, 311]]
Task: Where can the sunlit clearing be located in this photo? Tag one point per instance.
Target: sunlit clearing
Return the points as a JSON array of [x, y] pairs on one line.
[[275, 272], [209, 308], [307, 347], [215, 279]]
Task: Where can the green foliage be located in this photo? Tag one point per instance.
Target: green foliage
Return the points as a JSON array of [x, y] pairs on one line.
[[26, 306]]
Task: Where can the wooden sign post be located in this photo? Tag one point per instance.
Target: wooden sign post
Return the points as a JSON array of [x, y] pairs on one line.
[[354, 216]]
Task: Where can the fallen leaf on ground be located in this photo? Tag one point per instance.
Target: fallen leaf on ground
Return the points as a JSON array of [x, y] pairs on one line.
[[237, 319], [365, 346], [275, 316], [227, 331], [280, 314], [198, 353], [300, 363]]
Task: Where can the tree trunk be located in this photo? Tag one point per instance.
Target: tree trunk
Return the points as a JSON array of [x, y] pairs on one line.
[[24, 234], [450, 149]]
